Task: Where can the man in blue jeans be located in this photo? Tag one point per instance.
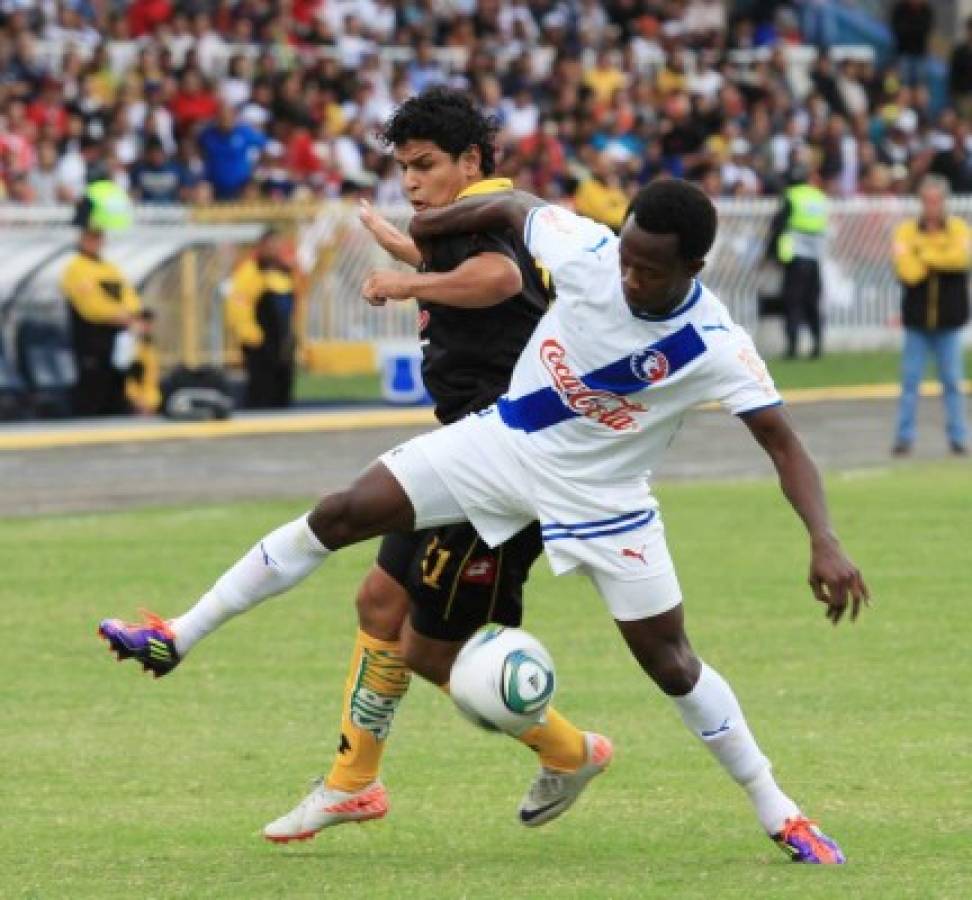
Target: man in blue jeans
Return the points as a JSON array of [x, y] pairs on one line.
[[932, 260]]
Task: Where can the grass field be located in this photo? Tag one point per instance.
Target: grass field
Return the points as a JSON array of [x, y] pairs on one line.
[[837, 369], [113, 785]]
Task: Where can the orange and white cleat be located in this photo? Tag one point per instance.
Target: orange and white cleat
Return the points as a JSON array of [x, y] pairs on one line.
[[553, 793], [804, 842], [324, 807]]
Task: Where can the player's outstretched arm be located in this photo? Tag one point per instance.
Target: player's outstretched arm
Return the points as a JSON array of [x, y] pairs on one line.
[[472, 215], [391, 239], [834, 579]]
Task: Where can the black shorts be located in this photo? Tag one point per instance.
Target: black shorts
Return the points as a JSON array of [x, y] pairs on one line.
[[455, 582]]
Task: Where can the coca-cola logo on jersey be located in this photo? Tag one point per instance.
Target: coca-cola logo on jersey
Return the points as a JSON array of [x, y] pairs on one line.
[[604, 407]]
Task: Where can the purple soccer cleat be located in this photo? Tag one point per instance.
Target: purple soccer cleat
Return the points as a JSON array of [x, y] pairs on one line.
[[804, 842], [152, 643]]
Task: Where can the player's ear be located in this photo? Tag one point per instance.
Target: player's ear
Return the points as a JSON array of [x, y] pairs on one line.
[[694, 266], [471, 160]]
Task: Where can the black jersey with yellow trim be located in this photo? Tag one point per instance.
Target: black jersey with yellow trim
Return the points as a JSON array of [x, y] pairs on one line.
[[468, 355]]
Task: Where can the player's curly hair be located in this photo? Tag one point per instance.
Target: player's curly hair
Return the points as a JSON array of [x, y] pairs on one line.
[[674, 206], [449, 119]]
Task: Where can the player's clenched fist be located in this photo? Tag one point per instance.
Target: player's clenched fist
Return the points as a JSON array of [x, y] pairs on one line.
[[386, 285]]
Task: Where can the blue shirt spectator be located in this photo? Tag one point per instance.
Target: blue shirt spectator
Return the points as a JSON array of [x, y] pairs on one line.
[[229, 151], [155, 179]]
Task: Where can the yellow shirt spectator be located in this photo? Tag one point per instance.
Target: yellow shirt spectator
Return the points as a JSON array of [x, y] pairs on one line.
[[598, 200], [604, 79]]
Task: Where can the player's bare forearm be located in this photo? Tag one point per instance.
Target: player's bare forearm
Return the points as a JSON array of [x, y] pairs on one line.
[[403, 249], [391, 239], [834, 579], [799, 478], [472, 215], [482, 281]]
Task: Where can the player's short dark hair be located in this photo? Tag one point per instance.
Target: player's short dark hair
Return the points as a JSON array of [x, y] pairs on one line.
[[674, 206], [449, 119]]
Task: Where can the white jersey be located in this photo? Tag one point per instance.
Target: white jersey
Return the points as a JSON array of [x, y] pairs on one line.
[[599, 392]]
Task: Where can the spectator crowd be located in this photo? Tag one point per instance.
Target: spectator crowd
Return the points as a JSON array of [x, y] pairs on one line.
[[242, 100]]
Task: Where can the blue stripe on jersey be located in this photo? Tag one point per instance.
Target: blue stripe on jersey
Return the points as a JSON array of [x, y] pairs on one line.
[[621, 528], [580, 526], [756, 409], [544, 408], [529, 225], [690, 301]]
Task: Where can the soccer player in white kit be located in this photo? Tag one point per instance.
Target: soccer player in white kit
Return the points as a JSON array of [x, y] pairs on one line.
[[632, 343]]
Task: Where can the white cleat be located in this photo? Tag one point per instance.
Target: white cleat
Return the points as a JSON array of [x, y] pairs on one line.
[[324, 807], [553, 793]]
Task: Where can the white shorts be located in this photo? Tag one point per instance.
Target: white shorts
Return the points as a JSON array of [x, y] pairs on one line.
[[472, 471]]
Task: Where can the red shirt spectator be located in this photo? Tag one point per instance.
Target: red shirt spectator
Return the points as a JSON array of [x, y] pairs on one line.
[[193, 103], [145, 15], [48, 109], [546, 146], [301, 156], [305, 11]]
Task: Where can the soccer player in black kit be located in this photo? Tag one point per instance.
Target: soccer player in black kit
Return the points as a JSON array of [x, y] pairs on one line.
[[480, 297]]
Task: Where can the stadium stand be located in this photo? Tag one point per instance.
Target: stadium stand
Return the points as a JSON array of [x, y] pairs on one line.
[[221, 117], [584, 91]]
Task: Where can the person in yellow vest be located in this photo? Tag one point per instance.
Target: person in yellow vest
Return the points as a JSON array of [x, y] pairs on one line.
[[102, 303], [797, 242], [601, 197], [932, 260], [261, 314]]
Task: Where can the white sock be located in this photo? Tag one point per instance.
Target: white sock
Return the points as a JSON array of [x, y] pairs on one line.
[[712, 713], [278, 562]]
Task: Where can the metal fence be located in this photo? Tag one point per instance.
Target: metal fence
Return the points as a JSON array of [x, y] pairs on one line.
[[861, 299], [196, 251], [861, 296]]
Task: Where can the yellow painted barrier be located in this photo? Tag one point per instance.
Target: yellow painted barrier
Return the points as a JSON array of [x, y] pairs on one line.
[[63, 434], [341, 357]]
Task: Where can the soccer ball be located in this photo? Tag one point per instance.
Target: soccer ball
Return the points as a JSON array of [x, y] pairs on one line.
[[503, 680]]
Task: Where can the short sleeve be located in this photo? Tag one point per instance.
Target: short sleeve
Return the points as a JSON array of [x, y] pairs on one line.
[[445, 253], [492, 242], [579, 252], [741, 381]]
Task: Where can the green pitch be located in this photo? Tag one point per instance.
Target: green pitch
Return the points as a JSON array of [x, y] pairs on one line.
[[113, 785], [833, 370]]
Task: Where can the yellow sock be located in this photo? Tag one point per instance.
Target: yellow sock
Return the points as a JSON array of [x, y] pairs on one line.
[[377, 681], [560, 744]]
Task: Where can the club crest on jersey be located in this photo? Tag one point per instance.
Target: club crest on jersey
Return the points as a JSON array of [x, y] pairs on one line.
[[650, 366], [603, 407], [423, 319]]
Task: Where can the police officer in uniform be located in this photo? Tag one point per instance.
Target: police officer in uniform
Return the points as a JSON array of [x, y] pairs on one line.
[[102, 302], [797, 238]]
